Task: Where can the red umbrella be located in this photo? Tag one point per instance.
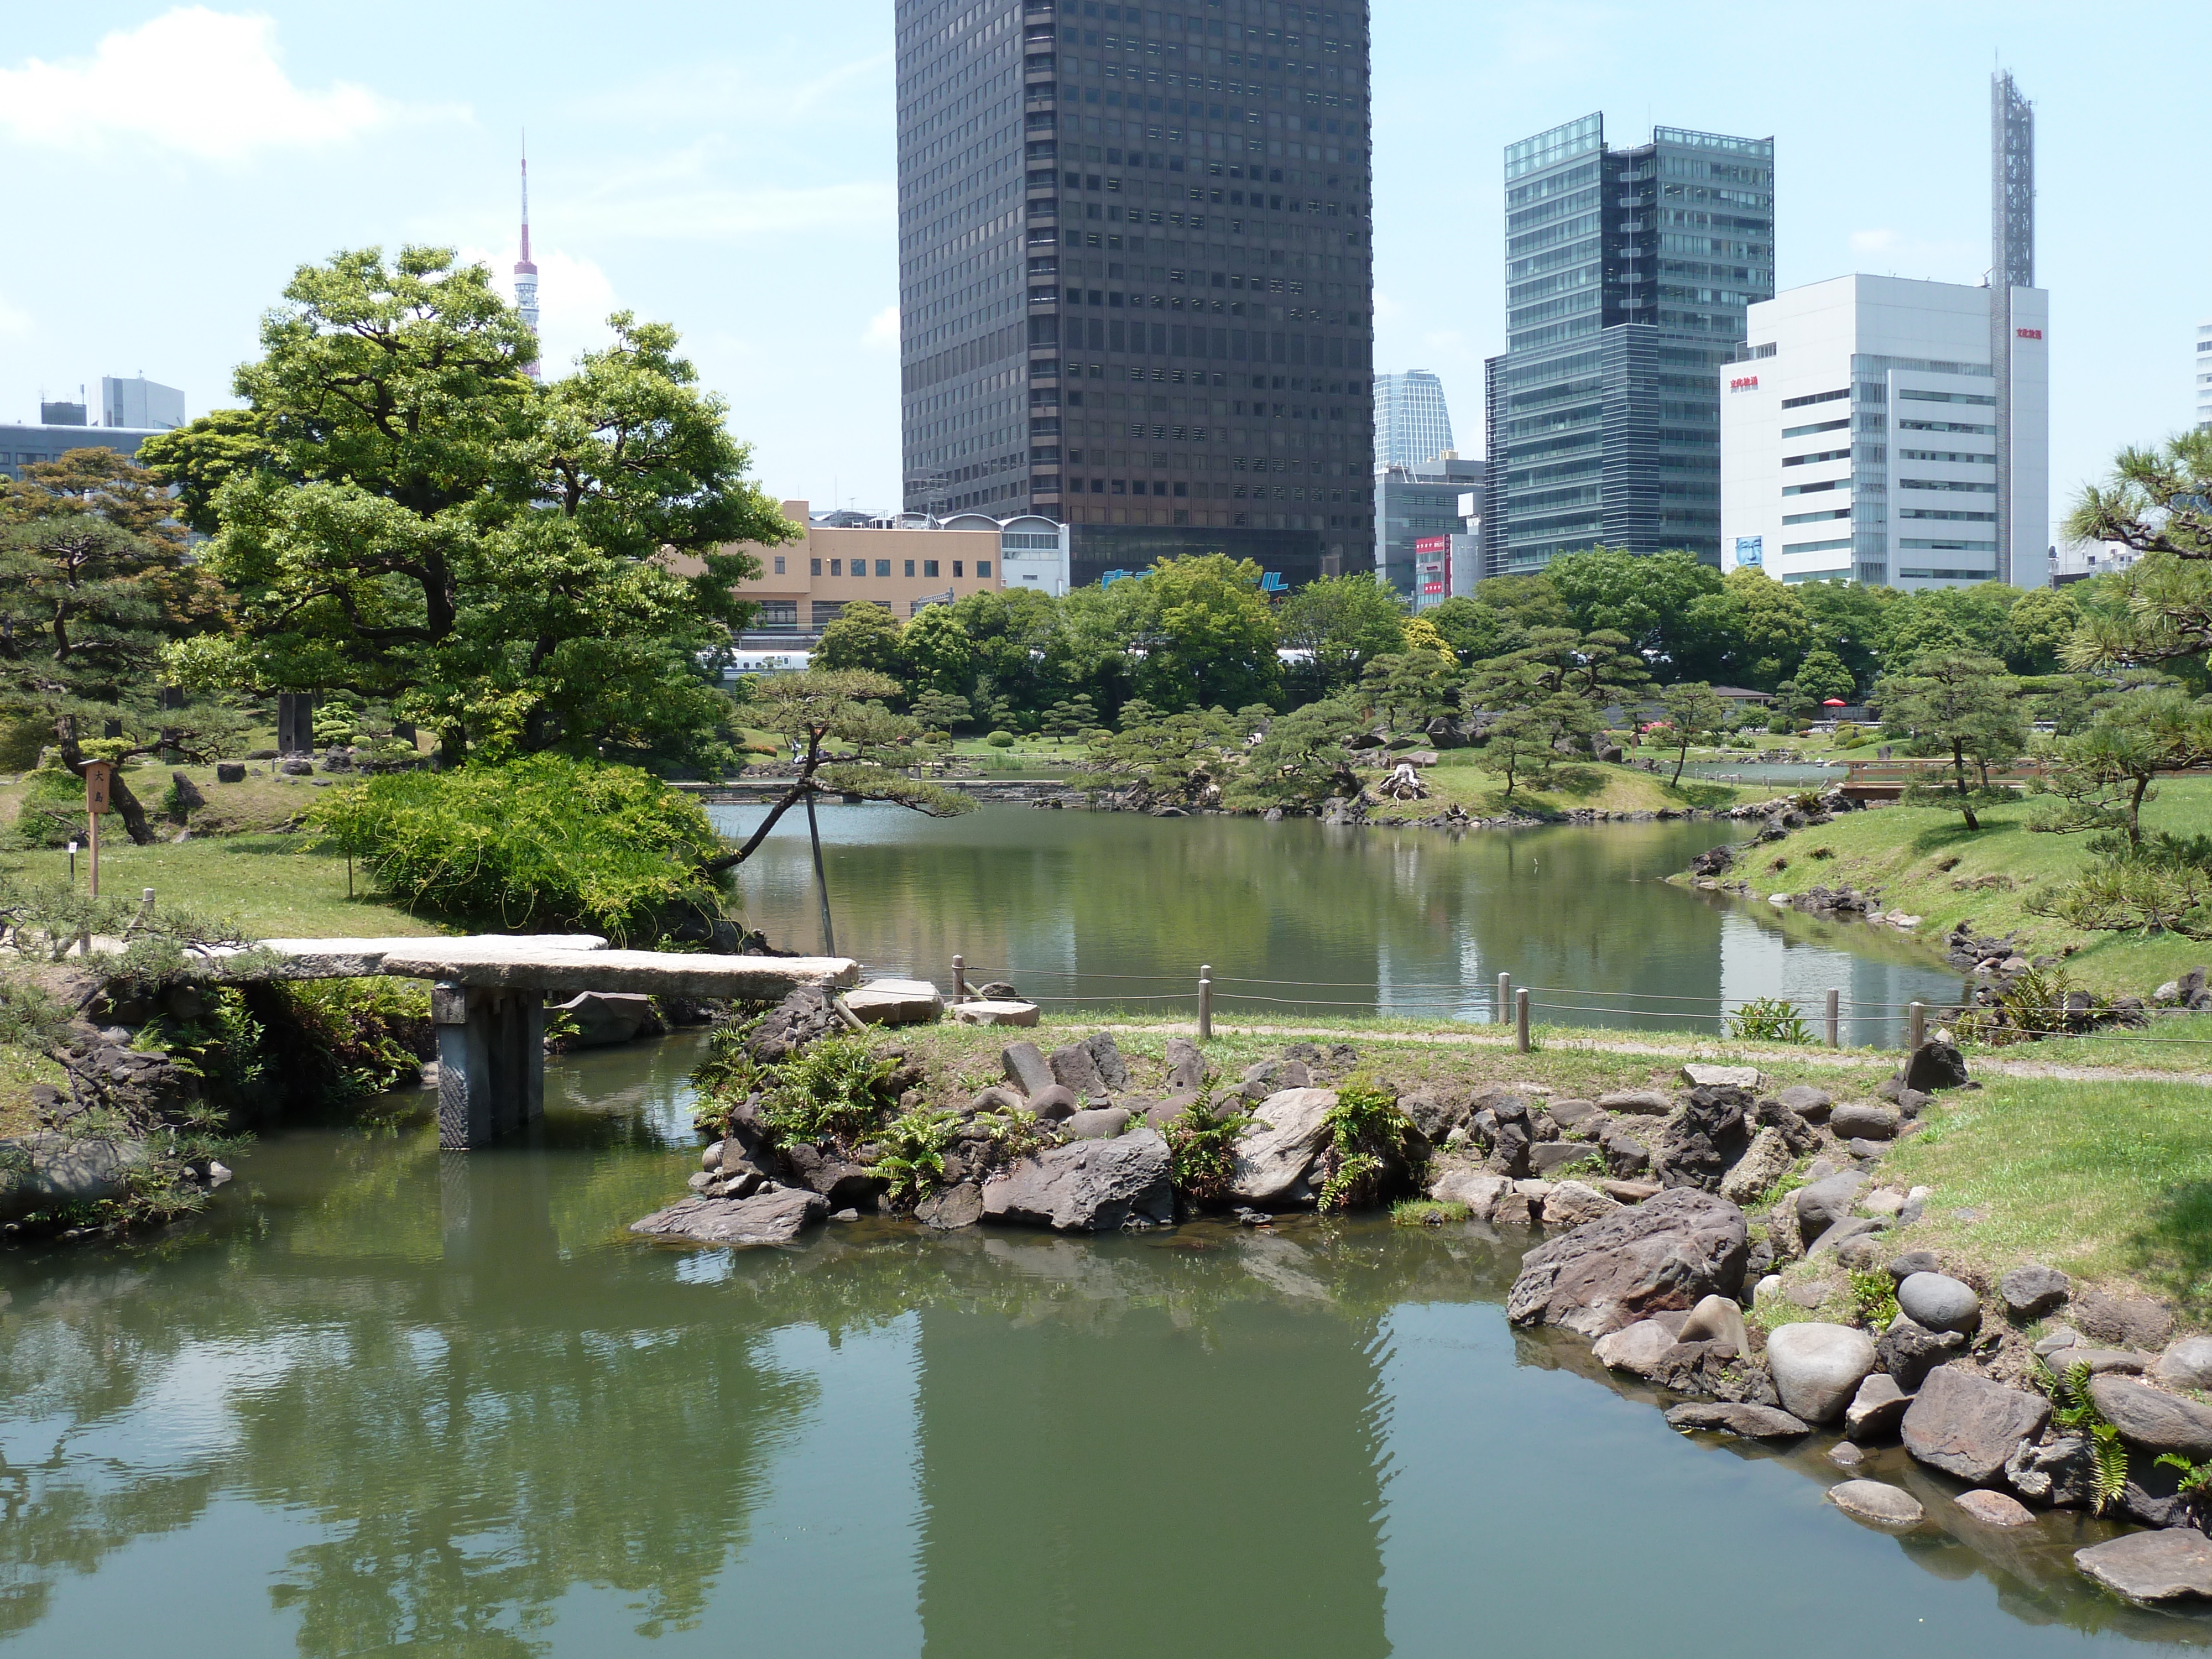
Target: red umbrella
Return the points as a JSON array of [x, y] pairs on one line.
[[1835, 702]]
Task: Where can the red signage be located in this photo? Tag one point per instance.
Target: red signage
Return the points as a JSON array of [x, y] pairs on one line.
[[1748, 383], [2029, 333], [1432, 587], [1433, 544]]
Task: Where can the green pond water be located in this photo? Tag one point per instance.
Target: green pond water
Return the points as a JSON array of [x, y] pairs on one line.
[[1097, 907], [383, 1399]]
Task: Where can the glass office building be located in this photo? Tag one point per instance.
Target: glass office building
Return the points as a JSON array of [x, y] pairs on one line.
[[1135, 269], [1411, 423], [1628, 272]]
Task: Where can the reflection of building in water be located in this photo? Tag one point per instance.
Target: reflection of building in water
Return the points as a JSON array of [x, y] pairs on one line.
[[1758, 960], [1247, 1447]]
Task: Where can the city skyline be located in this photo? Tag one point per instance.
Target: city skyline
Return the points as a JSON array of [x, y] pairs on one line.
[[745, 195]]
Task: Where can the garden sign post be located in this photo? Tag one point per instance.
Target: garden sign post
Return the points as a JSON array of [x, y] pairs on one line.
[[96, 775]]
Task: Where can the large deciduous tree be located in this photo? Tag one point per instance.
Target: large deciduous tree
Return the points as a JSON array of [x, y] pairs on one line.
[[1341, 624], [1206, 630], [1653, 599], [401, 512]]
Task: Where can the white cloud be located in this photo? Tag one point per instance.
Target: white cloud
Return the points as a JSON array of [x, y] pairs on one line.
[[882, 332], [746, 93], [192, 81]]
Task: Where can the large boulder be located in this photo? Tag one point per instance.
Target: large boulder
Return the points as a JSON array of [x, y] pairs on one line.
[[1106, 1059], [1969, 1426], [1935, 1064], [896, 1002], [2060, 1473], [1826, 1201], [1087, 1186], [1818, 1368], [599, 1019], [2122, 1322], [1908, 1349], [1702, 1142], [1667, 1253], [1939, 1302], [1637, 1347], [2152, 1418], [1273, 1155], [776, 1216], [1477, 1189], [47, 1170], [2186, 1364], [2174, 1564], [1761, 1165], [1075, 1071], [952, 1208], [1026, 1068]]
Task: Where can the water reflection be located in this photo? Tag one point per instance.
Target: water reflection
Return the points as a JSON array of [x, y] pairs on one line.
[[1100, 907], [384, 1397]]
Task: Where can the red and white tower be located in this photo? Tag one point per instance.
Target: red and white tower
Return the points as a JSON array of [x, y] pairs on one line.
[[526, 273]]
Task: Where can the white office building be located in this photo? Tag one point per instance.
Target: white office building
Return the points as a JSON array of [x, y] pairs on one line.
[[2203, 372], [140, 402], [1861, 437]]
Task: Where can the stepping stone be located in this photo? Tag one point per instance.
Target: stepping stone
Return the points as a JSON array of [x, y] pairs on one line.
[[993, 1012], [896, 1002]]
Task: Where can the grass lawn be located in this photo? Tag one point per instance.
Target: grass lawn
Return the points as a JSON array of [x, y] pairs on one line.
[[1926, 862], [1569, 786]]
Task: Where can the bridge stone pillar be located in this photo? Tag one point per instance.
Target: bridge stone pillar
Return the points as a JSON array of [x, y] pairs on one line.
[[491, 1061]]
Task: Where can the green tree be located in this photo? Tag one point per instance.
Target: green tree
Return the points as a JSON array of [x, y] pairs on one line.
[[1471, 627], [1822, 675], [1849, 621], [1410, 688], [1976, 620], [1521, 603], [1526, 739], [1070, 716], [1204, 628], [91, 582], [2043, 621], [864, 637], [1693, 711], [1757, 629], [2103, 776], [1342, 623], [1958, 704], [939, 712], [936, 651], [1182, 757], [1651, 599], [1302, 760], [406, 515]]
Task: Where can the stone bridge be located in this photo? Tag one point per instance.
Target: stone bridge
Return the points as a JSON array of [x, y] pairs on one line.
[[487, 1002]]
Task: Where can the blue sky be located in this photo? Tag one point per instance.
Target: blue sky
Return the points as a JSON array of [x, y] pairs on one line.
[[730, 168]]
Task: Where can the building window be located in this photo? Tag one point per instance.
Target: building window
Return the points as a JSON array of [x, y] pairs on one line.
[[909, 567], [956, 568], [836, 567], [779, 564], [928, 566], [982, 568], [883, 566], [815, 568]]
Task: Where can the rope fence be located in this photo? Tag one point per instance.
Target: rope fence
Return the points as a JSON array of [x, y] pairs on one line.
[[1823, 1017]]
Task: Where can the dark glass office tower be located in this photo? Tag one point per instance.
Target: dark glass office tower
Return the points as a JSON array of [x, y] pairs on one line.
[[1135, 271], [1627, 272]]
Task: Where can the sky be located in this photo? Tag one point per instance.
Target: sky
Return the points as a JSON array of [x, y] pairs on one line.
[[731, 170]]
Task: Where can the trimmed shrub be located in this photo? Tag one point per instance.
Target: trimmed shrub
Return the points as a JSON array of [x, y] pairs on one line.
[[540, 844], [1001, 740]]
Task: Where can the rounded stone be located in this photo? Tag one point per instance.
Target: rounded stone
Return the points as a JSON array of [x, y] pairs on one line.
[[1877, 1501], [1818, 1368], [2186, 1364], [1995, 1509], [1939, 1302]]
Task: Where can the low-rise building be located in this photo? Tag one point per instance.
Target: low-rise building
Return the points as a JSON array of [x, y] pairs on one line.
[[22, 444]]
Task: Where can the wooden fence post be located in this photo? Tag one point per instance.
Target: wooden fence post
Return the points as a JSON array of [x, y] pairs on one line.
[[1916, 1025], [1205, 1002], [959, 980], [1835, 1019], [1504, 998], [1521, 1022]]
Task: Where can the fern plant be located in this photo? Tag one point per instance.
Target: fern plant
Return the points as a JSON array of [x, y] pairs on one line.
[[837, 1089], [1202, 1149], [1874, 1296], [2073, 1407], [1366, 1130], [913, 1158]]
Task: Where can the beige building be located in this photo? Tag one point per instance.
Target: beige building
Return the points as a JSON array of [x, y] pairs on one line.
[[803, 584]]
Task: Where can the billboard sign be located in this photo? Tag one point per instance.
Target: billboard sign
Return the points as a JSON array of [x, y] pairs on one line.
[[1750, 552]]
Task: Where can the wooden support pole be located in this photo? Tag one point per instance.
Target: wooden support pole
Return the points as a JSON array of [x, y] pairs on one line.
[[959, 980], [1521, 1022], [1916, 1025], [1205, 1002], [1504, 998], [1835, 1019]]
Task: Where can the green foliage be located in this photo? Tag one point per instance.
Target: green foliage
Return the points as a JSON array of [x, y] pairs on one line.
[[864, 635], [2196, 1480], [2163, 886], [1015, 1131], [2033, 1007], [1368, 1132], [29, 1018], [1303, 759], [1345, 623], [1693, 711], [1180, 757], [837, 1089], [541, 843], [1769, 1019], [2159, 610], [1207, 634], [1821, 675], [2073, 1407], [1873, 1296], [913, 1158], [341, 1040], [1962, 703], [51, 811], [2103, 774], [1427, 1213], [1653, 600], [1001, 740], [1202, 1149]]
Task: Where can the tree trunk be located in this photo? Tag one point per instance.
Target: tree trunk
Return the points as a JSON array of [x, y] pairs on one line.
[[452, 747], [126, 805], [2135, 809], [1680, 756]]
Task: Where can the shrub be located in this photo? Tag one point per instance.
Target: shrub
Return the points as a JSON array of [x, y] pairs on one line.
[[1202, 1149], [1769, 1019], [541, 843], [1368, 1131], [51, 811], [1000, 739], [837, 1089]]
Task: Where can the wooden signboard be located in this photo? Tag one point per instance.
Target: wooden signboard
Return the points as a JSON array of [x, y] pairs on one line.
[[97, 775]]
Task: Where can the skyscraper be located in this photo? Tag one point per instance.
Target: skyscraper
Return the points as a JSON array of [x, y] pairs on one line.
[[1412, 424], [1064, 164], [1627, 274], [2201, 367], [2012, 266], [526, 273]]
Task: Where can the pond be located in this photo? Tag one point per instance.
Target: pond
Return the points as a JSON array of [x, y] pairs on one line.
[[1098, 908], [383, 1398]]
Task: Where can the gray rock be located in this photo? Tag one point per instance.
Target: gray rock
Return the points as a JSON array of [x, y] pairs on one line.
[[53, 1168], [1574, 1115], [2151, 1568], [2186, 1364], [1833, 1239], [1186, 1067], [1026, 1068], [1969, 1426], [2033, 1290], [604, 1017], [2057, 1338], [1275, 1154], [2153, 1419], [997, 1098], [955, 1206], [1808, 1103], [1818, 1368], [1667, 1253], [1436, 1112], [1994, 1509], [776, 1216], [1715, 1319], [1877, 1502], [1864, 1119], [1876, 1409], [1642, 1103], [1940, 1302], [1914, 1261], [1761, 1165], [1749, 1421], [1721, 1077], [1087, 1186], [1545, 1155], [1161, 1113], [1054, 1103], [1097, 1123], [2060, 1473], [1704, 1140], [1910, 1350], [1074, 1069], [1846, 1456], [1934, 1066], [1573, 1204], [1106, 1059], [2100, 1361], [1635, 1348], [1826, 1201], [2118, 1321], [1477, 1189]]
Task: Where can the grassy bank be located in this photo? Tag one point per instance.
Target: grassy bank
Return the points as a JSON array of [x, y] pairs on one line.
[[1456, 780], [1923, 861]]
